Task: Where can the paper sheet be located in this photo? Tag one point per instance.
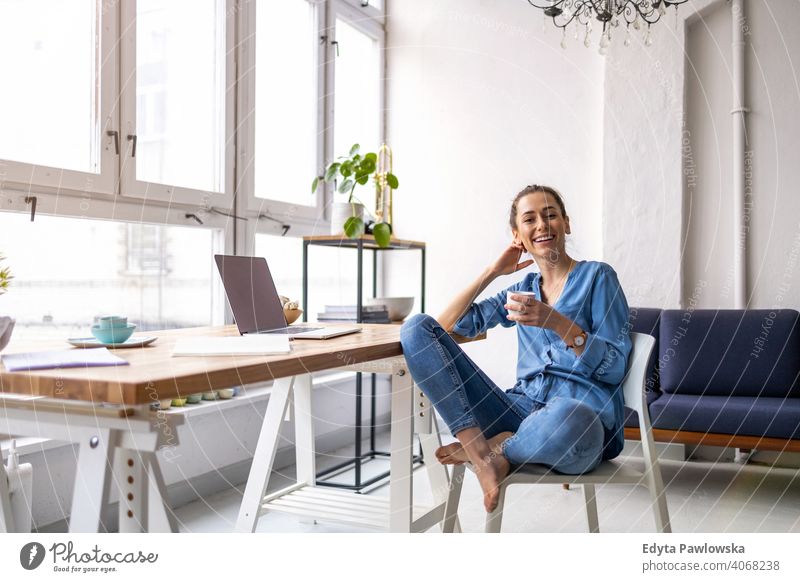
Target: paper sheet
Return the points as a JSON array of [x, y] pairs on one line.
[[62, 359], [246, 345]]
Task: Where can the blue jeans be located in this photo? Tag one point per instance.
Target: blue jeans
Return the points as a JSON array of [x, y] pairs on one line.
[[563, 434]]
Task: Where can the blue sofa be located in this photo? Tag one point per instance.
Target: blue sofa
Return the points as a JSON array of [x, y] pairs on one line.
[[722, 377]]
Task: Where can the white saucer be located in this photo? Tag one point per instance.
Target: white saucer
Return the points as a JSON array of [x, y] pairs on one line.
[[131, 342]]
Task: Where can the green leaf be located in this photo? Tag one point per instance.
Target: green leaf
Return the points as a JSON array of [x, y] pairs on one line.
[[346, 186], [362, 178], [331, 173], [314, 184], [382, 233], [346, 168], [372, 157], [367, 166], [354, 227], [354, 149], [391, 179]]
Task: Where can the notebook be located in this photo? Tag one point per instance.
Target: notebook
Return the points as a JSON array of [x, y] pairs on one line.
[[62, 359], [245, 345]]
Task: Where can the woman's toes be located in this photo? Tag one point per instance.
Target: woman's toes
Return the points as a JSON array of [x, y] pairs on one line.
[[449, 454]]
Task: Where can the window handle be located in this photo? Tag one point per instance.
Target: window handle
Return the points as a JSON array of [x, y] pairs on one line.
[[132, 138], [32, 201], [115, 135]]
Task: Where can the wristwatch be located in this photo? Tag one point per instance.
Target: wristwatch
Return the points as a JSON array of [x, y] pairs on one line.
[[578, 340]]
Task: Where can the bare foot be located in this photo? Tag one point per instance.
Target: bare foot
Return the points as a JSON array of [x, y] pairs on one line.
[[490, 472], [487, 459], [452, 454]]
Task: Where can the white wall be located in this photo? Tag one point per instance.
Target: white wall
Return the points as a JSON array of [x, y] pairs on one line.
[[482, 101], [772, 207], [667, 158], [642, 208]]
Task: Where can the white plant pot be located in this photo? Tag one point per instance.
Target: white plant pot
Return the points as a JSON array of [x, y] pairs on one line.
[[6, 326], [340, 212]]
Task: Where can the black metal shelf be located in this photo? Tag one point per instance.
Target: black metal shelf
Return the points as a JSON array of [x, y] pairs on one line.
[[361, 244]]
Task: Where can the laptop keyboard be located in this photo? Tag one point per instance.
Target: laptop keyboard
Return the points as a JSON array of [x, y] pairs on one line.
[[293, 329]]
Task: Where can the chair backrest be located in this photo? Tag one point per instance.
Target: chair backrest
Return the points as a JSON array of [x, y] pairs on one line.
[[634, 387]]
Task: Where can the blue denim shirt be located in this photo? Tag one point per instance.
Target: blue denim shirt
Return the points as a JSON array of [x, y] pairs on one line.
[[593, 298]]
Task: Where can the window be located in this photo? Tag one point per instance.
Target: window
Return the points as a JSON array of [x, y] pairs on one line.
[[287, 101], [339, 45], [121, 124], [57, 106], [177, 97], [331, 272], [159, 276], [357, 98], [41, 56]]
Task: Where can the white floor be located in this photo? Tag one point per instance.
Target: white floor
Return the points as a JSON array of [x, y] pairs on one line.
[[702, 497]]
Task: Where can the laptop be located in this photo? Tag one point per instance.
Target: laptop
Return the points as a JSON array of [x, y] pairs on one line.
[[255, 302]]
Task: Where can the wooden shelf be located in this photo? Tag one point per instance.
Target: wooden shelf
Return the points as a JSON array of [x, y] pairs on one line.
[[367, 240]]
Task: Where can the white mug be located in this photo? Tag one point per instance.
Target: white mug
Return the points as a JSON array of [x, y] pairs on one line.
[[510, 301]]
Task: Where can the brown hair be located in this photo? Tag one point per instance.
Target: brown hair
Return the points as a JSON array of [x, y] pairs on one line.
[[533, 188]]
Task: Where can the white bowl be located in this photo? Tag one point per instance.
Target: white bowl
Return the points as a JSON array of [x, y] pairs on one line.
[[6, 327], [398, 307]]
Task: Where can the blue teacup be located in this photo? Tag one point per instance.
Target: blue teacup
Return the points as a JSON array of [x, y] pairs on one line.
[[113, 335], [109, 321]]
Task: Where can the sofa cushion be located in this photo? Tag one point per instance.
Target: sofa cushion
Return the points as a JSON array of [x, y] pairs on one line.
[[742, 415], [646, 320], [730, 352]]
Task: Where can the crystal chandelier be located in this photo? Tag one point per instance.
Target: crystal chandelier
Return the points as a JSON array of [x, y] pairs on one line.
[[637, 14]]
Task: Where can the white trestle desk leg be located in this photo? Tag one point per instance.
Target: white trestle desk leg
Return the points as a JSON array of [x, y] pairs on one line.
[[400, 490], [92, 480], [264, 455], [6, 515], [130, 475], [160, 518], [304, 430], [430, 441]]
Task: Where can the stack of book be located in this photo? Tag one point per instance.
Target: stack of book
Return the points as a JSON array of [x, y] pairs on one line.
[[369, 313]]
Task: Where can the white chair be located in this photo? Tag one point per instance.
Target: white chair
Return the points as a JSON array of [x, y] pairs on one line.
[[607, 472]]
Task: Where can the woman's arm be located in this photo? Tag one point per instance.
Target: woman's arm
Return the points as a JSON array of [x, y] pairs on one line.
[[539, 314], [608, 345], [506, 264]]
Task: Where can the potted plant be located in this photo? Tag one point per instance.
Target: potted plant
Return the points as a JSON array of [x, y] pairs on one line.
[[351, 171], [6, 323]]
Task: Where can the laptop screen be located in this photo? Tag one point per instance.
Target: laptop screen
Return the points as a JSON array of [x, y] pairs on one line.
[[251, 293]]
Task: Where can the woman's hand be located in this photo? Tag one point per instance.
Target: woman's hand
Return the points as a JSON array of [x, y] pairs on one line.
[[509, 262], [531, 311]]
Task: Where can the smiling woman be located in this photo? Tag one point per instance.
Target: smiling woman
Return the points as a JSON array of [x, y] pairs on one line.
[[565, 410]]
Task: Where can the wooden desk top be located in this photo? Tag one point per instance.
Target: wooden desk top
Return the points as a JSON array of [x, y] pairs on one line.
[[155, 375]]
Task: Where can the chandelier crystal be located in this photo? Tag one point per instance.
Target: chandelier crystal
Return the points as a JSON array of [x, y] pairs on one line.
[[611, 13]]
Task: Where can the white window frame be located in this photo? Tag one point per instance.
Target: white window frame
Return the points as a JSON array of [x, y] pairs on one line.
[[76, 194], [250, 203], [368, 20], [131, 187], [46, 179]]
